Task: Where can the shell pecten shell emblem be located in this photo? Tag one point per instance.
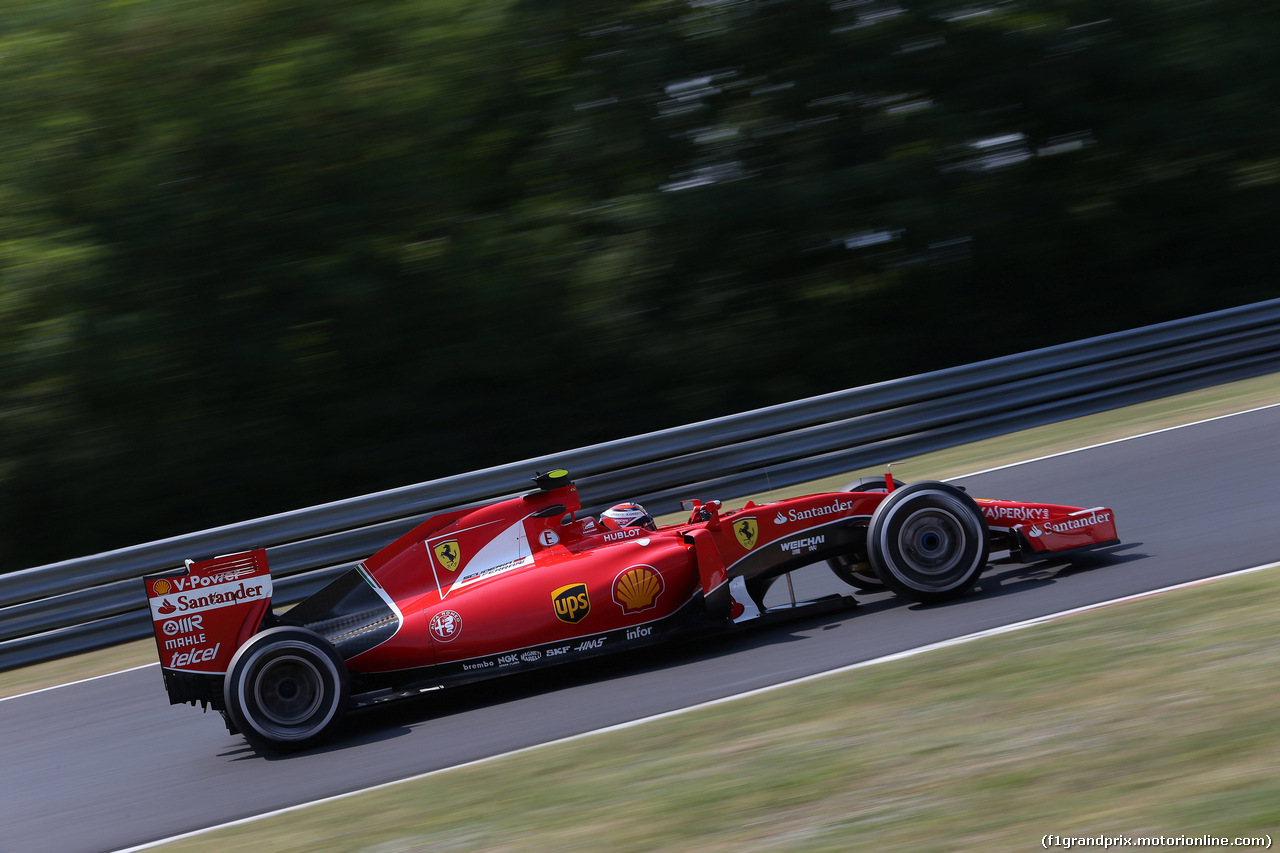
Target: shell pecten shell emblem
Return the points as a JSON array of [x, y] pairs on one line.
[[636, 589]]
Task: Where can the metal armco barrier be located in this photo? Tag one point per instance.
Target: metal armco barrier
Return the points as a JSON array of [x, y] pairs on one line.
[[77, 605]]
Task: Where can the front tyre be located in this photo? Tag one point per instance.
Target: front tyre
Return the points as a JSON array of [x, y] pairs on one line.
[[286, 689], [928, 542], [854, 569]]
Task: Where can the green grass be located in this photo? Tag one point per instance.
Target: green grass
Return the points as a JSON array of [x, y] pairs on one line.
[[1120, 423], [1152, 717]]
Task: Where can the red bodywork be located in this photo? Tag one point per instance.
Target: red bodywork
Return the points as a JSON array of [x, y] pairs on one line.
[[525, 582]]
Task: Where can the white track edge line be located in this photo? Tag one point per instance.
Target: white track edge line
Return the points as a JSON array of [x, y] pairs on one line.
[[896, 656], [962, 476], [79, 681]]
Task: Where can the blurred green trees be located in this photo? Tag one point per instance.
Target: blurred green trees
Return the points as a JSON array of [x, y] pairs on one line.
[[258, 254]]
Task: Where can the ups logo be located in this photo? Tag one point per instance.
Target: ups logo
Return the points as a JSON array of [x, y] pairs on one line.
[[571, 602]]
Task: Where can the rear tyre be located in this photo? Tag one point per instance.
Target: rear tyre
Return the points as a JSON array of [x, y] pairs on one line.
[[286, 689], [854, 569], [928, 542]]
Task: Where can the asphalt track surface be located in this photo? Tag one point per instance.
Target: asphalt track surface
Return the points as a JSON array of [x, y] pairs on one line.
[[108, 764]]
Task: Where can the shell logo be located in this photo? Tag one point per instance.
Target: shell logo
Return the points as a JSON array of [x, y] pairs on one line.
[[161, 587], [636, 589]]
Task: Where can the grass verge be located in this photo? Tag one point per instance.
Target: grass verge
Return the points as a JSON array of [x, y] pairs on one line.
[[1149, 718], [953, 462]]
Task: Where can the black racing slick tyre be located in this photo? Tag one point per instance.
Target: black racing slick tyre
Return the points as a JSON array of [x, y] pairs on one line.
[[286, 689], [928, 542], [854, 569]]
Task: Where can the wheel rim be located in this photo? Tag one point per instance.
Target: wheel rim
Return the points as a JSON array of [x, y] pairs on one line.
[[288, 690], [929, 542]]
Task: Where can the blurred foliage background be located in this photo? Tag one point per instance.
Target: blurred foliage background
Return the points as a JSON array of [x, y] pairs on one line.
[[260, 254]]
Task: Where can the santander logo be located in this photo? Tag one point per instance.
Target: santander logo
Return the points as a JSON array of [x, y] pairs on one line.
[[1070, 525]]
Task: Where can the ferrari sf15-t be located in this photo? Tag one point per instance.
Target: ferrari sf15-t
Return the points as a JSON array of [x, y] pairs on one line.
[[525, 582]]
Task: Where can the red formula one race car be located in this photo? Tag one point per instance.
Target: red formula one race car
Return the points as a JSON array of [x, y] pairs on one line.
[[524, 583]]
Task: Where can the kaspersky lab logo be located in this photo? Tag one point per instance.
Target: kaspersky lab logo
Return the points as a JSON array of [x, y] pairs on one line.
[[448, 553], [747, 531]]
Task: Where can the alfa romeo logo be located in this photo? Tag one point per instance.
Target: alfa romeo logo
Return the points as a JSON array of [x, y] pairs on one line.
[[445, 626]]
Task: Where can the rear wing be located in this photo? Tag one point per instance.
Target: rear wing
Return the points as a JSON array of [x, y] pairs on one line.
[[201, 614]]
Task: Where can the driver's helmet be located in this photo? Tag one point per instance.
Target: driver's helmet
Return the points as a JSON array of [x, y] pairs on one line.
[[626, 515]]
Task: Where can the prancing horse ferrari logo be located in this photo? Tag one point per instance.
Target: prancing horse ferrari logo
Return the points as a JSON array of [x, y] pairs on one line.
[[448, 554], [747, 532]]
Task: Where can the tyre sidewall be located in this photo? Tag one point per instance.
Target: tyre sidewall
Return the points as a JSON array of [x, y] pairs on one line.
[[871, 484], [860, 575], [957, 513], [313, 654]]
